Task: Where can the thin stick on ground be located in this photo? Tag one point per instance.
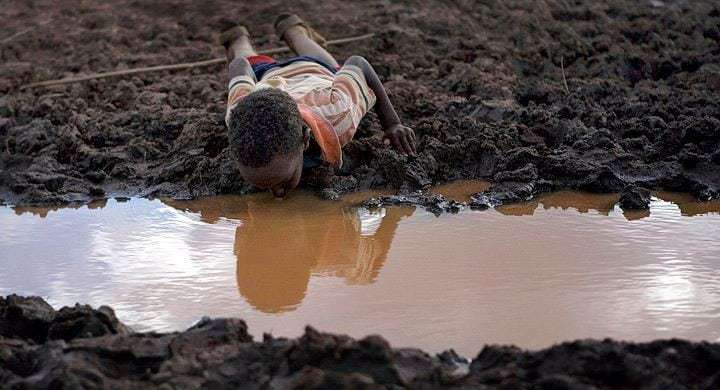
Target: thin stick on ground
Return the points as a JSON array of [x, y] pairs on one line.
[[562, 68], [24, 31], [185, 65]]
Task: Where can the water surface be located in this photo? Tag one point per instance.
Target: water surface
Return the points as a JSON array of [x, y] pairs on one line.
[[566, 265]]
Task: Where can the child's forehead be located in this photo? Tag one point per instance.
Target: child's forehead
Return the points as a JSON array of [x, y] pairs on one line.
[[280, 169]]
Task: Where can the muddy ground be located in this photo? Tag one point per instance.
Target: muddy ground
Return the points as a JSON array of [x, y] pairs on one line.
[[81, 347], [534, 95]]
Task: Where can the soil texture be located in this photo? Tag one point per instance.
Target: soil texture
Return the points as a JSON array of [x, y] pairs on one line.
[[80, 347]]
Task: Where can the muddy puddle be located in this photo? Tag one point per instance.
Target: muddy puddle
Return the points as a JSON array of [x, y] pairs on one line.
[[567, 265]]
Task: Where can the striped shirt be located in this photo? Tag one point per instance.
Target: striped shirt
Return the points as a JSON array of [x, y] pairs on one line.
[[341, 99]]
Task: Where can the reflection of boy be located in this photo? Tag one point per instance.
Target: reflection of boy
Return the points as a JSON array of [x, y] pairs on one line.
[[275, 260]]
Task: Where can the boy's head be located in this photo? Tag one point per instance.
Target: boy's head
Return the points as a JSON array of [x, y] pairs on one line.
[[267, 138]]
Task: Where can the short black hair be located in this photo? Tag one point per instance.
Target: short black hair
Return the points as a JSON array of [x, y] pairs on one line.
[[265, 123]]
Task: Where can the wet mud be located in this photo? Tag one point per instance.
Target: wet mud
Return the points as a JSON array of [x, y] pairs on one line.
[[81, 347], [534, 96]]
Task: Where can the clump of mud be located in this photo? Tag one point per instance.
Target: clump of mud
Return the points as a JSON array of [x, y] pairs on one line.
[[81, 347], [434, 203], [635, 198], [541, 95]]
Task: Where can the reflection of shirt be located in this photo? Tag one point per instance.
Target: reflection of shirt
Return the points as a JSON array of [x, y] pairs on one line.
[[369, 220], [342, 99]]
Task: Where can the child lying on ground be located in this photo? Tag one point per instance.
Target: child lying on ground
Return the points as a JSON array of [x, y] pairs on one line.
[[283, 116]]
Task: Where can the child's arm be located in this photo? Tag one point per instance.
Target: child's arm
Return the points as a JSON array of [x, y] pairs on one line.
[[402, 137]]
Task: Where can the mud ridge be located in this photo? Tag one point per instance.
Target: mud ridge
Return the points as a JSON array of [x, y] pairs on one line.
[[82, 347]]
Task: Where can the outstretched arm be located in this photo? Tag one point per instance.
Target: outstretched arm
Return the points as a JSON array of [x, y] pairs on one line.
[[402, 137]]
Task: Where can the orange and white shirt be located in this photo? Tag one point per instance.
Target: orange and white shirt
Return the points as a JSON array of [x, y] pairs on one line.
[[332, 105]]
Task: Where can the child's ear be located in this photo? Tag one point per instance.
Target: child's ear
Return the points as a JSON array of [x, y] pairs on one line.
[[306, 137]]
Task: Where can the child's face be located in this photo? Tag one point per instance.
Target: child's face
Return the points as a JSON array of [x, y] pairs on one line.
[[280, 176]]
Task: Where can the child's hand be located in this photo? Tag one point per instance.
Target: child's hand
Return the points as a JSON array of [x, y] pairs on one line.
[[402, 138]]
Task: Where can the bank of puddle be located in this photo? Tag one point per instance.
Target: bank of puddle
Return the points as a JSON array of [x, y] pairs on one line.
[[566, 265]]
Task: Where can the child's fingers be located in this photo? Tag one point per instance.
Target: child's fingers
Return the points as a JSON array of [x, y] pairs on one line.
[[409, 142], [413, 143], [406, 145], [397, 142], [403, 142]]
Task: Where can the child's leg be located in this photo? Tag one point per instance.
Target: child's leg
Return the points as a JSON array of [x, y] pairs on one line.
[[237, 44], [240, 48], [299, 39], [237, 48]]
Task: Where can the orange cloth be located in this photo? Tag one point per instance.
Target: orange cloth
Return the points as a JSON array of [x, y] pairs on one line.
[[325, 136]]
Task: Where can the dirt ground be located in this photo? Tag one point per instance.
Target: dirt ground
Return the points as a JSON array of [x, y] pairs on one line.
[[80, 347], [534, 95]]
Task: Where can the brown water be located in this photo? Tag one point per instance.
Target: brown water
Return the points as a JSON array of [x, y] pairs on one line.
[[564, 266]]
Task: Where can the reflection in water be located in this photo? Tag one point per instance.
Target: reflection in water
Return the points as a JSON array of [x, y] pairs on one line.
[[688, 205], [565, 200], [281, 243], [571, 266], [43, 212], [461, 191], [604, 204], [350, 244]]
